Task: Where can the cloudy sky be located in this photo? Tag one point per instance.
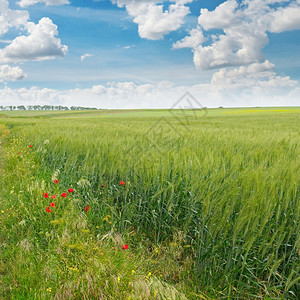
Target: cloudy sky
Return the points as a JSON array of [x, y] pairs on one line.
[[148, 53]]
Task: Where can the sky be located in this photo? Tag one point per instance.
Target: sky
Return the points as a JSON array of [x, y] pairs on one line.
[[148, 54]]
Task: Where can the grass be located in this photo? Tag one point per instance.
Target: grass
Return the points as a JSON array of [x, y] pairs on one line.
[[210, 206]]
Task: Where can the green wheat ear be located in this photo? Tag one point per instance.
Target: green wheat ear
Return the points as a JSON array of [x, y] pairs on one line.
[[55, 174], [83, 183]]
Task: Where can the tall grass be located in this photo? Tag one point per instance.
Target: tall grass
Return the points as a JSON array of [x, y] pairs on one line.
[[229, 186]]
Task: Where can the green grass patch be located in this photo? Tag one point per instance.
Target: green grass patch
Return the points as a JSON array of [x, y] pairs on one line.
[[210, 205]]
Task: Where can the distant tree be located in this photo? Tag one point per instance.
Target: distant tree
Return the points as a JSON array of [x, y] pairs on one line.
[[45, 107]]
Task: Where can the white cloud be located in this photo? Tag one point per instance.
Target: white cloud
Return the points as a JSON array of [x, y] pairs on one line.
[[128, 47], [8, 73], [254, 85], [228, 88], [84, 56], [33, 95], [5, 41], [11, 18], [40, 44], [243, 29], [194, 39], [24, 3], [99, 89], [153, 21], [285, 19], [254, 75], [223, 16], [39, 41]]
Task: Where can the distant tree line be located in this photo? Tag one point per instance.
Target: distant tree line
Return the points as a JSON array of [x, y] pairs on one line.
[[45, 107]]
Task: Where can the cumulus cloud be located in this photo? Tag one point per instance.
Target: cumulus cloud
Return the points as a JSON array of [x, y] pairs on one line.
[[41, 43], [24, 3], [194, 39], [8, 73], [254, 85], [251, 76], [11, 18], [153, 21], [33, 95], [242, 31], [228, 88], [224, 16], [84, 56], [285, 18]]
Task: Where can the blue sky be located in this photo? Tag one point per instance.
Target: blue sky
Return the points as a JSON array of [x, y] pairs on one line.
[[140, 54]]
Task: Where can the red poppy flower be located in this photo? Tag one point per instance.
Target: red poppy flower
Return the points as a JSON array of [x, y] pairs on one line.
[[45, 195], [30, 146], [48, 209], [52, 204], [103, 185], [122, 182], [53, 197], [64, 195], [55, 181], [70, 190], [125, 247], [87, 208]]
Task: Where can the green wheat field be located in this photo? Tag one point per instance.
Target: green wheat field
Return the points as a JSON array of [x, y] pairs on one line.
[[158, 204]]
